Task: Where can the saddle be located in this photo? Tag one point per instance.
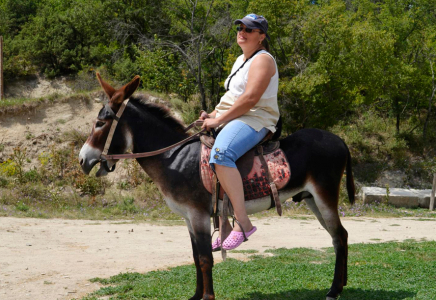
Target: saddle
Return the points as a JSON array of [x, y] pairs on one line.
[[264, 170]]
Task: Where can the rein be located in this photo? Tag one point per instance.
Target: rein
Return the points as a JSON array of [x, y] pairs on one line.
[[104, 156]]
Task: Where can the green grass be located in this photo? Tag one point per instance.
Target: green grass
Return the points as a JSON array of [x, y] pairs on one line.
[[387, 271], [11, 102]]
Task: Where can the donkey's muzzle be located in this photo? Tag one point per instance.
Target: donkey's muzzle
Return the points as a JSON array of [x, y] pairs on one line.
[[87, 165], [105, 165]]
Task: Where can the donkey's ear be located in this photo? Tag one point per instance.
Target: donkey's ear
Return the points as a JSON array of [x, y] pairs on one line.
[[110, 91], [131, 87]]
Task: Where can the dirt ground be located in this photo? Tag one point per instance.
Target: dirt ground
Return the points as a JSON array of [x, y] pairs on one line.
[[54, 259]]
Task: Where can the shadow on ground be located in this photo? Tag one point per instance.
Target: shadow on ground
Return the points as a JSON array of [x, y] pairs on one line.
[[348, 294]]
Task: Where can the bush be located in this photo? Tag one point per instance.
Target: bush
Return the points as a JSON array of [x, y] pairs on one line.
[[31, 176], [3, 182], [372, 138], [90, 185], [8, 168], [128, 205], [22, 206], [190, 110]]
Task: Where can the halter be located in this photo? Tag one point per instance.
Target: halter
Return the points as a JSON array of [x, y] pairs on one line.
[[116, 117]]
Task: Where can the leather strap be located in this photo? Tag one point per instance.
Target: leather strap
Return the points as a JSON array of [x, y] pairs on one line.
[[275, 200], [215, 194], [116, 118], [243, 64], [240, 226], [223, 225], [150, 153]]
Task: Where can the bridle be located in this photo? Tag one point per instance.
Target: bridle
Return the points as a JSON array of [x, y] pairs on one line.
[[116, 117]]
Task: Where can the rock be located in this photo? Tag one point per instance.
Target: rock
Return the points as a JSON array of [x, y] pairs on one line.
[[394, 179], [398, 197], [153, 99], [423, 198]]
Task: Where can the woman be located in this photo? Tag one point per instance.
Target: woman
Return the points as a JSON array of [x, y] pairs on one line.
[[248, 111]]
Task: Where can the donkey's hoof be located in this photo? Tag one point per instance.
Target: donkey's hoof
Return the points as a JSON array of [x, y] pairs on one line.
[[196, 297], [331, 295]]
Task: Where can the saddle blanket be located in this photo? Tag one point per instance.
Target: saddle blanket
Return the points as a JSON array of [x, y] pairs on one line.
[[256, 183]]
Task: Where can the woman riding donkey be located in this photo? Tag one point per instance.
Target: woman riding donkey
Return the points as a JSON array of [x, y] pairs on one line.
[[248, 111]]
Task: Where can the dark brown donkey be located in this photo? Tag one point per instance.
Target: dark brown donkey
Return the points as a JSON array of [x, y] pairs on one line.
[[317, 159]]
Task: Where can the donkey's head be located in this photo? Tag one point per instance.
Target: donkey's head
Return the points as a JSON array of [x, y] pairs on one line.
[[90, 154]]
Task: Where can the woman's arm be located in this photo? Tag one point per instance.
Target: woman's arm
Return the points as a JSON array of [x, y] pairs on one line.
[[261, 70]]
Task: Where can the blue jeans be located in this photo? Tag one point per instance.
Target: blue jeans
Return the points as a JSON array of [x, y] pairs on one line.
[[233, 141]]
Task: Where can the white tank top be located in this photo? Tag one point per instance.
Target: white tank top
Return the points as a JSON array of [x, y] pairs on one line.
[[265, 113], [239, 80]]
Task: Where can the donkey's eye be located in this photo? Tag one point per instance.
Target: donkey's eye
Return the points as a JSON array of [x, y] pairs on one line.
[[99, 124]]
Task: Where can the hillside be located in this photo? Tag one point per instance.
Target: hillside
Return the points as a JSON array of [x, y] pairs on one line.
[[59, 119], [38, 128]]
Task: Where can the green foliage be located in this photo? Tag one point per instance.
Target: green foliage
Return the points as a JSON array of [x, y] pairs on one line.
[[334, 57], [90, 185], [161, 73], [31, 176], [128, 205], [60, 37], [3, 182], [8, 168], [21, 206], [14, 166], [372, 138], [190, 110]]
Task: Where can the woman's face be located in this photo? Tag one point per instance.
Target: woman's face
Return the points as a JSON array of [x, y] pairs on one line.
[[252, 39]]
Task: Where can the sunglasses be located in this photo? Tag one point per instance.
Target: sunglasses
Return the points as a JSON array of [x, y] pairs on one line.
[[247, 30]]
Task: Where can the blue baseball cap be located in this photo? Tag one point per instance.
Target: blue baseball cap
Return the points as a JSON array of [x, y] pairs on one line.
[[254, 21]]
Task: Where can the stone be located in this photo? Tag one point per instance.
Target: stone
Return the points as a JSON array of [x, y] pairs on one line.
[[403, 198], [410, 198], [423, 198]]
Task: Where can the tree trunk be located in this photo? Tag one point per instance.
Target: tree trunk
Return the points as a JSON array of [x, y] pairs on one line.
[[200, 81], [396, 108], [398, 123], [430, 103]]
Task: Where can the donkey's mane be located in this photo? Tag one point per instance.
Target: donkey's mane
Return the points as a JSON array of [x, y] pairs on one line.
[[159, 111]]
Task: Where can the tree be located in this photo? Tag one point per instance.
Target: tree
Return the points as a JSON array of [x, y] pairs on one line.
[[62, 35]]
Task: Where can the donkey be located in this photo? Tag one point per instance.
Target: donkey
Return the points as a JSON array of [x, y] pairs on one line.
[[317, 159]]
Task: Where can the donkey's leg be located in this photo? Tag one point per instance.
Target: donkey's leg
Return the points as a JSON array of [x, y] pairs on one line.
[[199, 230], [199, 289], [311, 203], [324, 207]]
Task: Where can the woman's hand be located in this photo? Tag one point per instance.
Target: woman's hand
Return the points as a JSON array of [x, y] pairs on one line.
[[209, 123], [203, 115]]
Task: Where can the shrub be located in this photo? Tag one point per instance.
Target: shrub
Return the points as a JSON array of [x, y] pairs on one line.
[[3, 182], [128, 205], [90, 185], [22, 206], [31, 176], [8, 168]]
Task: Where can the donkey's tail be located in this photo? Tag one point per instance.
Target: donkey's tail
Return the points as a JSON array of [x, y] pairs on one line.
[[351, 189]]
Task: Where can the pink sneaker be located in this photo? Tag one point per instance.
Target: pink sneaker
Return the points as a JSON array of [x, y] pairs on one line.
[[236, 238], [216, 246]]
